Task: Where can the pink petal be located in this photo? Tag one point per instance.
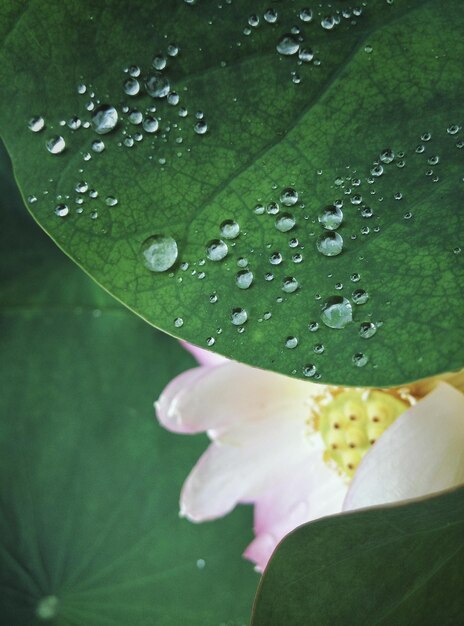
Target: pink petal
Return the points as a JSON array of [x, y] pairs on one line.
[[308, 492], [204, 357], [420, 454], [214, 398]]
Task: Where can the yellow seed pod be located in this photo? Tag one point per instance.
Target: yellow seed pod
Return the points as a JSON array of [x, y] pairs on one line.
[[353, 421]]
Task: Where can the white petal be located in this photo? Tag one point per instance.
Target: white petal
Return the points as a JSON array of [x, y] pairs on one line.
[[420, 454], [246, 463], [204, 357], [308, 492], [213, 398]]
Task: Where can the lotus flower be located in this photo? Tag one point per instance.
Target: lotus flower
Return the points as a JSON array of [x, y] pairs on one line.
[[299, 451]]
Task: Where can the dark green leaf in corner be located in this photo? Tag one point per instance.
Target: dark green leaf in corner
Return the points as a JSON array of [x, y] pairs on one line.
[[180, 210], [393, 566], [89, 530]]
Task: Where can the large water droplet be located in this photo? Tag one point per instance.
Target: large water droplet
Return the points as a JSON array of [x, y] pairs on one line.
[[159, 252], [337, 312], [288, 45], [55, 145], [157, 85], [104, 119], [330, 243], [230, 229], [291, 342], [239, 316], [244, 279], [331, 217], [62, 210], [131, 86], [216, 250]]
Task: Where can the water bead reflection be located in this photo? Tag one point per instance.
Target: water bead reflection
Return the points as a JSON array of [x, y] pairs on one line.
[[159, 253]]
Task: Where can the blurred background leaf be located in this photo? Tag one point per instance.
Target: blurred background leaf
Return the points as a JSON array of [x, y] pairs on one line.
[[89, 482]]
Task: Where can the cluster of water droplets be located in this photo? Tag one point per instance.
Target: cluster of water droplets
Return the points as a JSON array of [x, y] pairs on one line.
[[153, 121]]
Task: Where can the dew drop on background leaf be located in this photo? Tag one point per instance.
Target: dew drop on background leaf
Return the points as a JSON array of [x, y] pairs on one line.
[[104, 119], [159, 253], [157, 85], [291, 343], [289, 284], [337, 312], [150, 124]]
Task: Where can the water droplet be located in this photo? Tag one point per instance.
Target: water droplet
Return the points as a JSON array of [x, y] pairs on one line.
[[328, 22], [178, 322], [269, 276], [135, 117], [98, 145], [306, 15], [62, 210], [74, 123], [210, 341], [290, 284], [309, 370], [56, 144], [331, 217], [230, 229], [319, 348], [216, 250], [104, 119], [288, 45], [47, 608], [337, 312], [367, 329], [367, 212], [173, 98], [82, 187], [291, 343], [81, 88], [213, 298], [157, 85], [36, 123], [200, 127], [359, 359], [200, 562], [313, 326], [355, 277], [159, 252], [272, 208], [111, 201], [275, 258], [387, 155], [453, 129], [244, 279], [457, 250], [360, 296], [150, 124], [131, 86], [433, 160], [330, 243], [356, 199], [259, 209], [285, 222], [239, 316], [306, 55], [271, 16], [398, 195], [289, 196], [173, 50]]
